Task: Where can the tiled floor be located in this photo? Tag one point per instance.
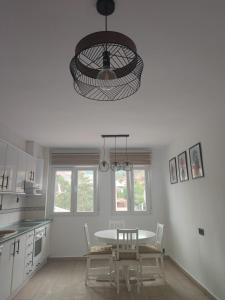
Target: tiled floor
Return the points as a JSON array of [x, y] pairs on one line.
[[64, 280]]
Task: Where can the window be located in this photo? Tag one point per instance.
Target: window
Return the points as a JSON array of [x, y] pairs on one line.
[[62, 199], [139, 186], [121, 191], [131, 192], [85, 191], [75, 190]]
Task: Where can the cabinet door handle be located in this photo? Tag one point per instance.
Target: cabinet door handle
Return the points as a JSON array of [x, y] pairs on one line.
[[7, 182], [30, 175], [2, 183], [14, 248], [33, 175], [18, 247]]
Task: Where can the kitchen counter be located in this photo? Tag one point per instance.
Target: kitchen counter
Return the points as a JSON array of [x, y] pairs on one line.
[[22, 227]]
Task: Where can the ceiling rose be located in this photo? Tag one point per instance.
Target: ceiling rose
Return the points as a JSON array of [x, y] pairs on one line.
[[106, 66]]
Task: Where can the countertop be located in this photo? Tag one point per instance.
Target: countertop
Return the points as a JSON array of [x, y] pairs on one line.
[[22, 227]]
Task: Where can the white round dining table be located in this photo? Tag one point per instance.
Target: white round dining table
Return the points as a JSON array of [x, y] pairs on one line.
[[109, 236]]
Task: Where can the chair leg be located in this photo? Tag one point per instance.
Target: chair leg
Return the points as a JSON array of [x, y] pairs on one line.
[[138, 277], [111, 270], [87, 270], [117, 278], [141, 272], [127, 274], [163, 268]]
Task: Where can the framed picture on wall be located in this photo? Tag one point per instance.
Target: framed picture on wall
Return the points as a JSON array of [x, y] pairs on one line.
[[182, 166], [196, 163], [173, 170]]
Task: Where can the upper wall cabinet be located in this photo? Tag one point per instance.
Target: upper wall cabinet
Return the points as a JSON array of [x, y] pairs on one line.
[[30, 169], [17, 168], [39, 173], [9, 184], [21, 172], [8, 167], [3, 147]]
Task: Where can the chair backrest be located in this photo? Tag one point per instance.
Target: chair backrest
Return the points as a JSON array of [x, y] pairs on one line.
[[127, 244], [116, 224], [87, 236], [159, 236]]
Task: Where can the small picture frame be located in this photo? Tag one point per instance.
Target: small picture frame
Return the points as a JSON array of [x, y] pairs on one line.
[[173, 170], [196, 163], [182, 166]]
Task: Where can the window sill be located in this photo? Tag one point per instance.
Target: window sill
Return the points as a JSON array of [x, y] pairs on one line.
[[131, 213], [76, 214]]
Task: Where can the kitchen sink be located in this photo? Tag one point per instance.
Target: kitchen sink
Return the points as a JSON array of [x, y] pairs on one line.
[[6, 233]]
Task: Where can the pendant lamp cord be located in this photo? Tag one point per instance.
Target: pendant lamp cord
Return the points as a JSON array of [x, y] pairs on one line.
[[106, 29], [115, 149], [104, 150], [126, 150], [106, 23]]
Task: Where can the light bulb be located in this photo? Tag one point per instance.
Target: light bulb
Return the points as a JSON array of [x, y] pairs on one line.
[[106, 74]]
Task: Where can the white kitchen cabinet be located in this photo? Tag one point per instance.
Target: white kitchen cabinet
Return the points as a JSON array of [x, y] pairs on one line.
[[29, 251], [18, 263], [30, 169], [10, 174], [8, 167], [21, 172], [39, 173], [46, 243], [3, 147], [29, 174], [6, 266]]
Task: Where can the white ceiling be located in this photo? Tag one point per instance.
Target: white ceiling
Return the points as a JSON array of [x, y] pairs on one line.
[[181, 42]]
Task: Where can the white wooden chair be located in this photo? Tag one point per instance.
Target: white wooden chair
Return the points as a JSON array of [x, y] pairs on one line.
[[153, 252], [127, 256], [116, 224], [97, 253]]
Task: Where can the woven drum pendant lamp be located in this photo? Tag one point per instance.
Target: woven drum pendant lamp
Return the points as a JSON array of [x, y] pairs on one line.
[[106, 66]]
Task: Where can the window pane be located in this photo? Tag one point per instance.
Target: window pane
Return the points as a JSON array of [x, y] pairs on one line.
[[62, 199], [121, 192], [139, 190], [85, 191]]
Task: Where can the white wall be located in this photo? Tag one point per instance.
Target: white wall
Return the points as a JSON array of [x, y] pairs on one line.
[[67, 237], [199, 203], [11, 137]]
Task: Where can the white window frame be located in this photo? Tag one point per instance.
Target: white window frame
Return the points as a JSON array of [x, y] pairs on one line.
[[74, 185], [130, 186]]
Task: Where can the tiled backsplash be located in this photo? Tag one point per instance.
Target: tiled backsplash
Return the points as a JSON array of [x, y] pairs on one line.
[[16, 208]]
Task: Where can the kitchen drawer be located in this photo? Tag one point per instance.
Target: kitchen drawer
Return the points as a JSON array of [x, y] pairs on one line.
[[28, 271], [29, 246], [30, 234], [28, 267], [28, 264], [30, 240], [29, 255]]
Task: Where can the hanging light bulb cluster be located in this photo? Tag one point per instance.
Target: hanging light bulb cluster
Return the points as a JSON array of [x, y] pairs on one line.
[[115, 165]]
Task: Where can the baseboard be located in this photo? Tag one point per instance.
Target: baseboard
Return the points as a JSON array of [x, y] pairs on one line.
[[196, 282], [76, 258]]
